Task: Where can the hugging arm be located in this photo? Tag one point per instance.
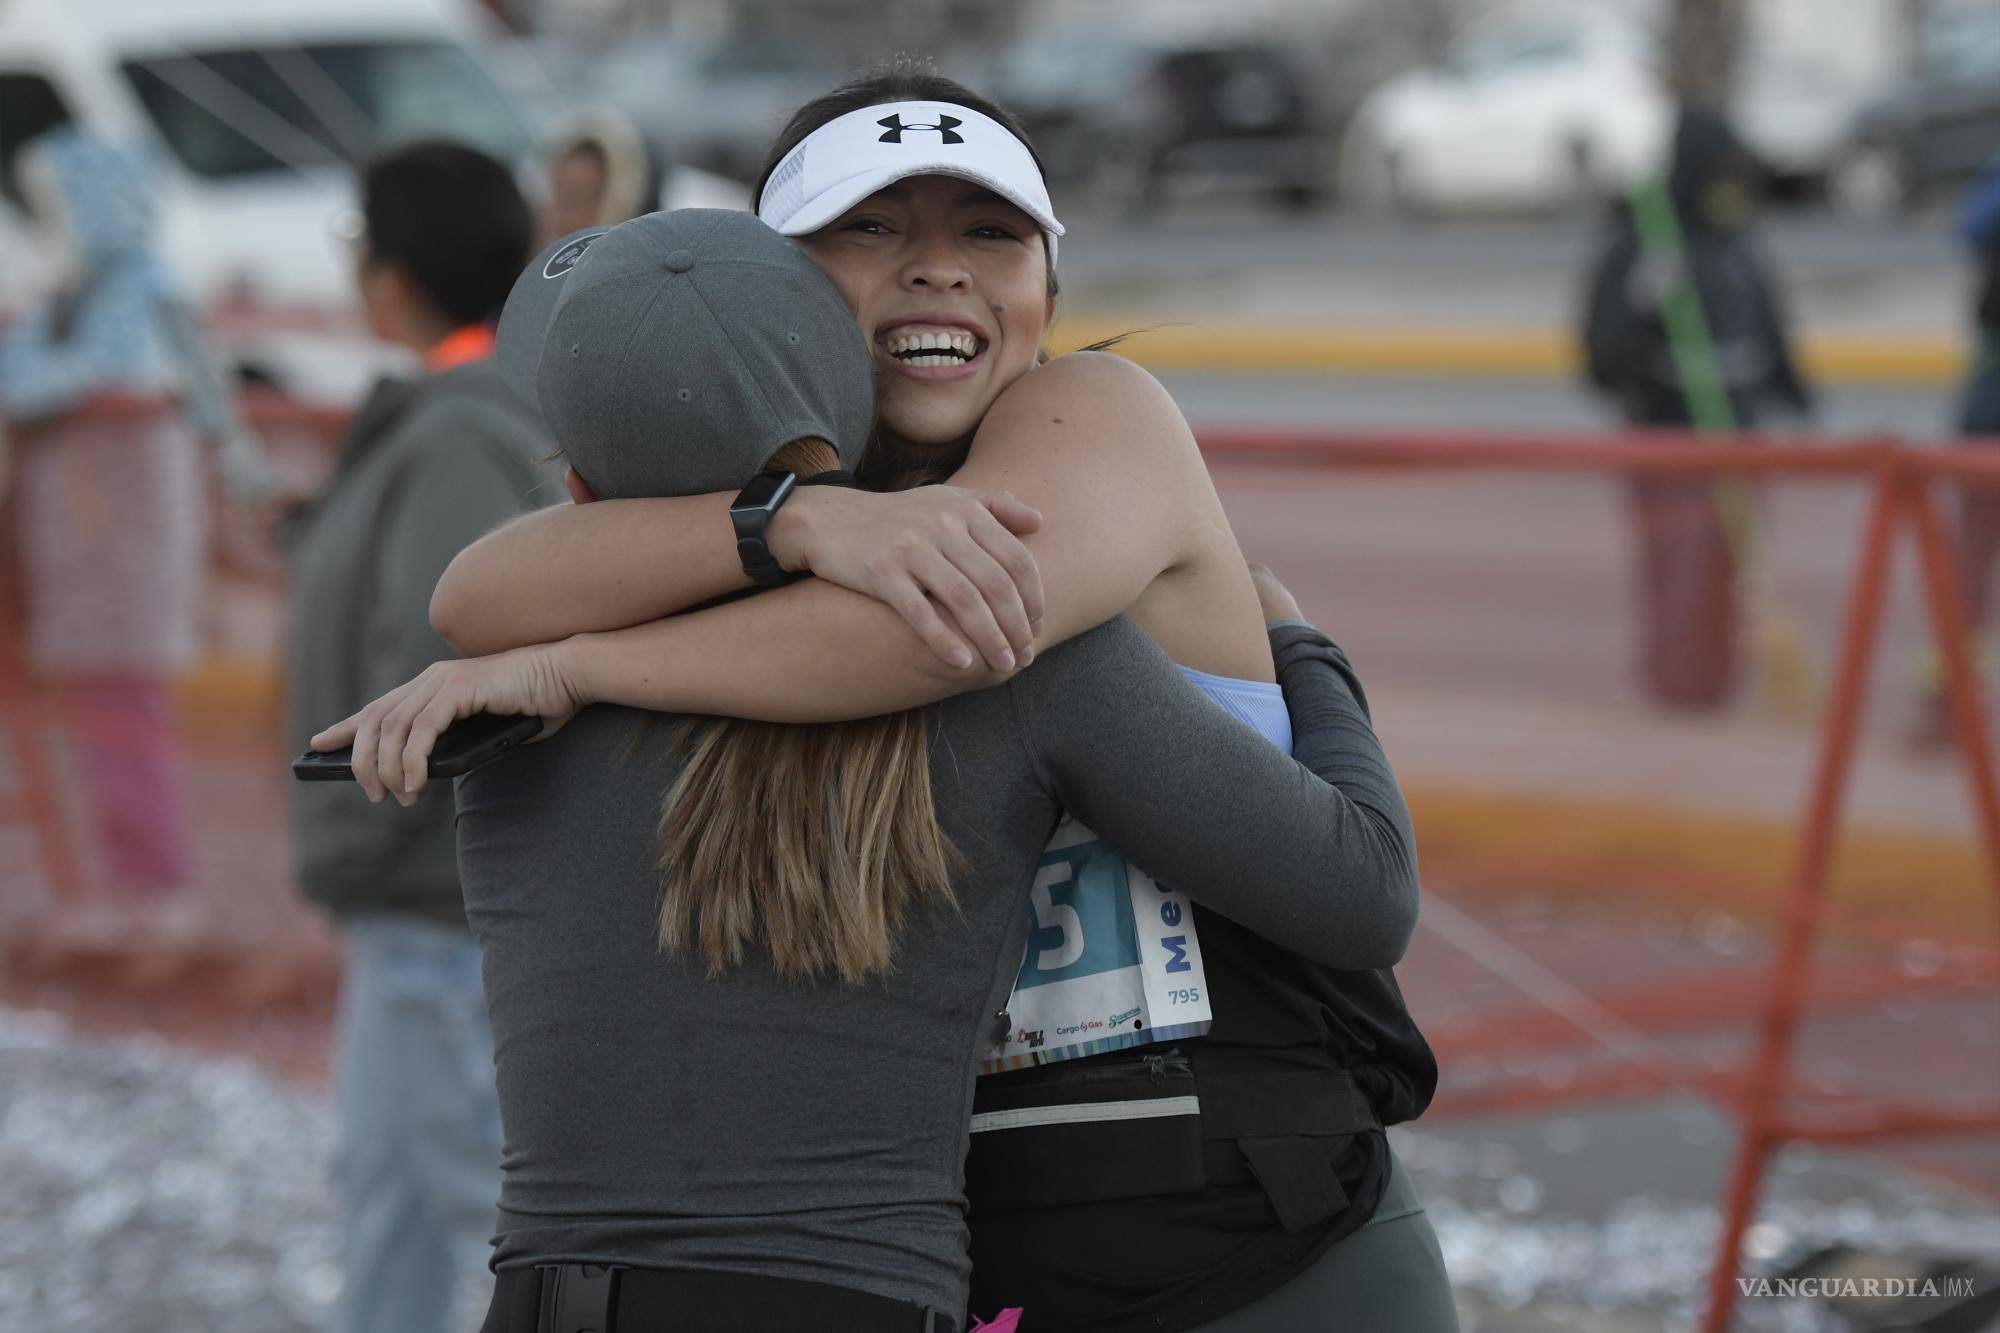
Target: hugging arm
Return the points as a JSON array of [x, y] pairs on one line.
[[1098, 444], [1090, 441], [522, 584], [1315, 851], [654, 557]]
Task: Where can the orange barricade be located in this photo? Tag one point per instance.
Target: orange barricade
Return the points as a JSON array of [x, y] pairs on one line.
[[1903, 481]]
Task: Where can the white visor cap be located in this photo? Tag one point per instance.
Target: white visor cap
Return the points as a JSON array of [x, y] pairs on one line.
[[852, 156]]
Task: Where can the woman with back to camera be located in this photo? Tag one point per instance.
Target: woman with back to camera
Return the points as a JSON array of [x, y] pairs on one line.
[[765, 1128], [1248, 1168]]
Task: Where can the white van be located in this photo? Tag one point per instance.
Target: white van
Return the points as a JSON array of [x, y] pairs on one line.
[[259, 108]]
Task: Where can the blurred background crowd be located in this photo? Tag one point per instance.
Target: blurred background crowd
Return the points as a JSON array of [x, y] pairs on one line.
[[1484, 221], [1858, 110]]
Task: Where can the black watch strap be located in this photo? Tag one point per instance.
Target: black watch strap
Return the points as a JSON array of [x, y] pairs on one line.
[[750, 515], [835, 478]]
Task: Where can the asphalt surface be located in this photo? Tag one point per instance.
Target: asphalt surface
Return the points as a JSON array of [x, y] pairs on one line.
[[1428, 404], [1210, 230], [1220, 261], [210, 1178]]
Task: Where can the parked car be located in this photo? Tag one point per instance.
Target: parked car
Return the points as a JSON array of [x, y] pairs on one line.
[[718, 103], [1530, 110], [1130, 118], [258, 108], [1939, 127], [1793, 113]]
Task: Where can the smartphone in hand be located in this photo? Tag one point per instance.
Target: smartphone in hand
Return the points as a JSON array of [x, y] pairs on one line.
[[460, 748]]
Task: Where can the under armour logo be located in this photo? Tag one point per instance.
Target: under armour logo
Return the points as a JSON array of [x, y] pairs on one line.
[[946, 127]]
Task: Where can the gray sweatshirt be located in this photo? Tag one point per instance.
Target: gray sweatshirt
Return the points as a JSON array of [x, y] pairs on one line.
[[658, 1119], [428, 466]]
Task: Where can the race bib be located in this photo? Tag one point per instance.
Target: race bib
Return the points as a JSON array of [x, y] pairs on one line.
[[1112, 960]]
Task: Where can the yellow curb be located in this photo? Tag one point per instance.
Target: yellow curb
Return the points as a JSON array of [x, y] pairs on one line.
[[1474, 840], [1854, 359], [1462, 353]]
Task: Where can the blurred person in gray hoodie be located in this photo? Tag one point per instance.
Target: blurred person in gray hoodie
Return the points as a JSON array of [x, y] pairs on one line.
[[429, 464]]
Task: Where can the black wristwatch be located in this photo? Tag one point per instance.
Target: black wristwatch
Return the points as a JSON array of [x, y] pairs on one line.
[[750, 514]]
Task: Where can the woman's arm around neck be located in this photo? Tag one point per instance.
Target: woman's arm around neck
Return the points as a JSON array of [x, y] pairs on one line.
[[576, 567], [1090, 440]]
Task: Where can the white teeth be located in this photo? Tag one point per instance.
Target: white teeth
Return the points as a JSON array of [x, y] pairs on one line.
[[959, 341]]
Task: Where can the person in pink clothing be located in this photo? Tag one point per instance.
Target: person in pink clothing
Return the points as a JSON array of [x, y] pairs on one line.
[[112, 525]]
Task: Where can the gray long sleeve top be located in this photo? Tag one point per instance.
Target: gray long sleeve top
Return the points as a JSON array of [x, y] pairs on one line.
[[429, 466], [655, 1118]]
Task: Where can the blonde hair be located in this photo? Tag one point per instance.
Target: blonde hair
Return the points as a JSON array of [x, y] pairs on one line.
[[815, 842]]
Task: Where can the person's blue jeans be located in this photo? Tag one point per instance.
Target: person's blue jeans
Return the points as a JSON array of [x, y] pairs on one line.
[[419, 1162]]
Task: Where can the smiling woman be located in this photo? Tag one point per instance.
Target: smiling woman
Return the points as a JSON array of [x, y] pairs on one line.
[[932, 218], [950, 285], [1234, 1166]]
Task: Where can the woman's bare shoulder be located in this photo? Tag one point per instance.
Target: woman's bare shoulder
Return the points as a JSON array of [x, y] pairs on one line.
[[1106, 399], [1092, 374]]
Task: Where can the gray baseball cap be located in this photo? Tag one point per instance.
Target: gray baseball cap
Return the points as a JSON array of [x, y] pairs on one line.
[[675, 353]]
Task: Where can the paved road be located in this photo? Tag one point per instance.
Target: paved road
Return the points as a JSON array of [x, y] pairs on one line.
[[1206, 234], [1494, 618], [1228, 264], [1336, 401], [209, 1178]]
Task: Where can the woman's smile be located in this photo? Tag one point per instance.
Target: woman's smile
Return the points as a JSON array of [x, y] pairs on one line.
[[951, 283], [931, 347]]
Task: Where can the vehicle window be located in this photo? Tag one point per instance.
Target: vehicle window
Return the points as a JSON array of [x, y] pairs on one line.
[[252, 110], [1502, 54], [757, 55], [29, 107], [1044, 73], [1966, 48], [1544, 51]]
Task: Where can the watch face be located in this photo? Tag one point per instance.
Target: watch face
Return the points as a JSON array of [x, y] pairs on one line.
[[758, 493]]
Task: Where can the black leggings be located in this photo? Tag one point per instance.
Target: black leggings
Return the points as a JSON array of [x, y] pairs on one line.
[[1388, 1275]]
